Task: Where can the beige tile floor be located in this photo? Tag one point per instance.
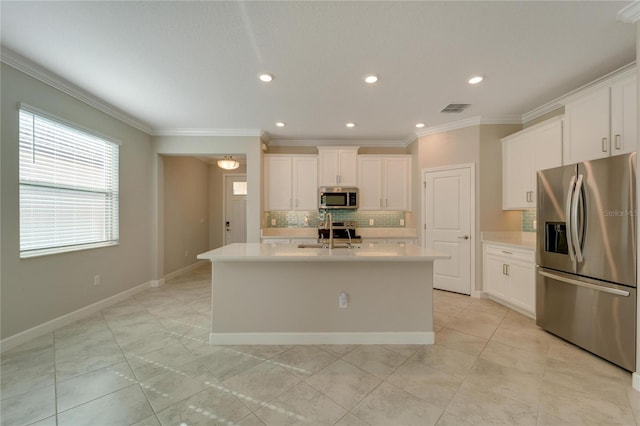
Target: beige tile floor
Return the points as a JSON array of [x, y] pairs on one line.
[[146, 361]]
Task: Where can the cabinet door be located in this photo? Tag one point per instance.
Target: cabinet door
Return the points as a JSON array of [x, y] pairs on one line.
[[347, 167], [522, 285], [328, 167], [495, 280], [397, 184], [278, 191], [370, 183], [624, 117], [547, 150], [517, 185], [587, 128], [305, 183]]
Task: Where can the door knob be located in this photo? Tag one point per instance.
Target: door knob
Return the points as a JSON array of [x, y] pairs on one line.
[[466, 237]]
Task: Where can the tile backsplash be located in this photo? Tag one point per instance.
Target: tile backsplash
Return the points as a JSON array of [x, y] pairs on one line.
[[528, 221], [304, 219]]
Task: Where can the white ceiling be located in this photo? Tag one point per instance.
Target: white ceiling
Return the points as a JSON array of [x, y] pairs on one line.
[[192, 66]]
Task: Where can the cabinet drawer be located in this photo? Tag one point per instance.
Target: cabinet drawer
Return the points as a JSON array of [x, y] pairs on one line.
[[510, 252]]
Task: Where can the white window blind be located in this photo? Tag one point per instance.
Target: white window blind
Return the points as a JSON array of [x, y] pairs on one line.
[[68, 187]]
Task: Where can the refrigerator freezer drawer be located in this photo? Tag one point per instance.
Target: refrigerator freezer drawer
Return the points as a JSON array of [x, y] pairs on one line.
[[599, 317]]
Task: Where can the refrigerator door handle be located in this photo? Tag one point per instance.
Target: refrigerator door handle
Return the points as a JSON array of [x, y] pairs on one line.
[[568, 218], [575, 237], [583, 284]]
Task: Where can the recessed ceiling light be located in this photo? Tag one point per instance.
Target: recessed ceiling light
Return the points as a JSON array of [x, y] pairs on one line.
[[420, 125], [371, 78], [475, 79], [350, 125], [280, 124], [266, 78]]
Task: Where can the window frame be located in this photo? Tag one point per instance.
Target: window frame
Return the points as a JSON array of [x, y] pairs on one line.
[[115, 212]]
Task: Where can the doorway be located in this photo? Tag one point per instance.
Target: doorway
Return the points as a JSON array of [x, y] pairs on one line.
[[449, 218], [235, 208]]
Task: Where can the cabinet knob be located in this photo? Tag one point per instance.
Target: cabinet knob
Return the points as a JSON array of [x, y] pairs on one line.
[[464, 237], [618, 144], [605, 145]]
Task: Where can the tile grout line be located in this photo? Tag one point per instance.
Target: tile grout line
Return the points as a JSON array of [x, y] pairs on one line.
[[115, 338], [55, 377]]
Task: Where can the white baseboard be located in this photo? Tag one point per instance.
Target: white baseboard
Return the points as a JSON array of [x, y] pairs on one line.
[[56, 323], [400, 338], [479, 294], [511, 306], [183, 270], [156, 283], [635, 381]]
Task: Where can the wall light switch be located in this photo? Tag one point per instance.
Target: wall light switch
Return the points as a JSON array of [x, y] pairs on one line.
[[273, 222], [370, 222]]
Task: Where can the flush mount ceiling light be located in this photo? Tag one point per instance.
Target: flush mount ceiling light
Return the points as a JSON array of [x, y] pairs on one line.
[[475, 79], [420, 125], [371, 78], [228, 163], [350, 125], [280, 124], [265, 77]]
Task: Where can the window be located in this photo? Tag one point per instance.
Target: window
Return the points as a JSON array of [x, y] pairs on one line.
[[68, 187], [239, 188]]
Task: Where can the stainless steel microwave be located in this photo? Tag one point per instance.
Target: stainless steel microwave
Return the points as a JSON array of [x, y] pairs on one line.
[[338, 197]]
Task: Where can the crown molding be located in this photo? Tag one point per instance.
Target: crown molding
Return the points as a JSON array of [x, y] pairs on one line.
[[541, 110], [630, 14], [34, 70], [410, 139], [386, 143], [607, 79], [207, 132], [468, 122]]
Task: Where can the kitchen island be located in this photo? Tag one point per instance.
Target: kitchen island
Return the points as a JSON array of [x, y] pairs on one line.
[[283, 294]]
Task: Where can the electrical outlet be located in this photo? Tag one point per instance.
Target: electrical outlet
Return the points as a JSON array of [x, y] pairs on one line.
[[535, 224], [343, 300], [401, 222], [96, 280], [273, 222], [370, 222]]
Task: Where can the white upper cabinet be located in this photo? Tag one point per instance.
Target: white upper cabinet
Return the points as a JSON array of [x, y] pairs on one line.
[[624, 133], [384, 182], [535, 148], [337, 166], [291, 182], [602, 121]]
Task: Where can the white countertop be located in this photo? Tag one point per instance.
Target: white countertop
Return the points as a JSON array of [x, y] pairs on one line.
[[523, 240], [312, 232], [291, 252]]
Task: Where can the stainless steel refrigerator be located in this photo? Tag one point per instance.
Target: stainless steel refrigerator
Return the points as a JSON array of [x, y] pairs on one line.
[[586, 256]]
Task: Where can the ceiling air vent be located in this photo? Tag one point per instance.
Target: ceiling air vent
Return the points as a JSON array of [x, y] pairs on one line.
[[455, 107]]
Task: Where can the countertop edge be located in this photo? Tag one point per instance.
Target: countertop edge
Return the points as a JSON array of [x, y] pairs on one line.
[[510, 244]]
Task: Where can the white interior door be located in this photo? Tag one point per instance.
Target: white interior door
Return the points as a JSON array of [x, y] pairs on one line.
[[235, 206], [448, 225]]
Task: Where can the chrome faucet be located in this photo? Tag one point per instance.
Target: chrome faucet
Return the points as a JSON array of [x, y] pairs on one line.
[[329, 218]]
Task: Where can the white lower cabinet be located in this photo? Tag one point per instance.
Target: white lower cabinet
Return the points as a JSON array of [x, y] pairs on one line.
[[371, 242], [289, 241], [275, 241], [509, 277]]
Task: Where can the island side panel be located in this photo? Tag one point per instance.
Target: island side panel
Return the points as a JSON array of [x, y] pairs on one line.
[[302, 297]]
